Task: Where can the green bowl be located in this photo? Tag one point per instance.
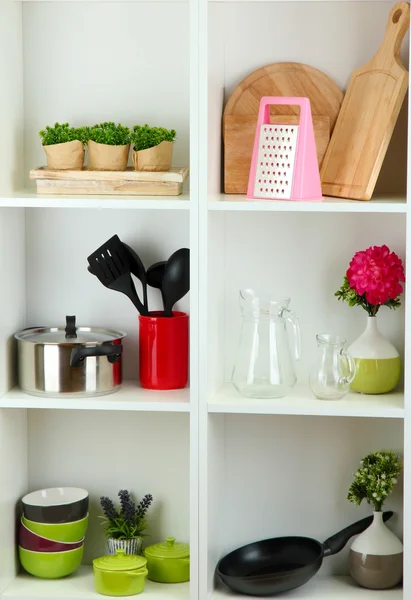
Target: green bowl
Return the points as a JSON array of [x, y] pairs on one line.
[[51, 565], [59, 532]]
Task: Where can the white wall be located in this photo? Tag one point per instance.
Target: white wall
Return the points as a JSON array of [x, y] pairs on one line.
[[85, 62], [103, 453], [13, 485], [11, 96]]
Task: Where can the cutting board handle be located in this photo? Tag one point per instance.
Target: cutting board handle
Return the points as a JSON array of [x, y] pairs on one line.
[[397, 27]]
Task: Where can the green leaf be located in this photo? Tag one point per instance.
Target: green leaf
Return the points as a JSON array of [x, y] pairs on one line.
[[109, 133], [144, 137], [62, 133]]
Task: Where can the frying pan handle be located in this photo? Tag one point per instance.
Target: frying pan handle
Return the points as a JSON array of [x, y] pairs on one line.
[[336, 542]]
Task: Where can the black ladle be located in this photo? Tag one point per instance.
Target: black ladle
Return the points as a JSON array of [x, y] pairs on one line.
[[281, 564], [155, 275], [176, 279]]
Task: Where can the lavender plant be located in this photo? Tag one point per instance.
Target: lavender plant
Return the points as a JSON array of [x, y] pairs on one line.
[[375, 478], [128, 520]]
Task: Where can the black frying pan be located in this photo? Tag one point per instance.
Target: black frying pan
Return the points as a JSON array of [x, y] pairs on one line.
[[280, 564]]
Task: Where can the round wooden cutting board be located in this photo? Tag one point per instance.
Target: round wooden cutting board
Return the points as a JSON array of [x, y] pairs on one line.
[[278, 79], [287, 79]]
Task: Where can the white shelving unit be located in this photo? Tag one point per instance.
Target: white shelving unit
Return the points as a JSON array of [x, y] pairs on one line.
[[224, 470]]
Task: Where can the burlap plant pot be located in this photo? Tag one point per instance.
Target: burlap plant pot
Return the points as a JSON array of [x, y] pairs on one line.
[[103, 157], [158, 158], [69, 155]]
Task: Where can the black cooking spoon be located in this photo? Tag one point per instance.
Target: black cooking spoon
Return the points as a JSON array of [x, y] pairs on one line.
[[176, 279], [155, 275]]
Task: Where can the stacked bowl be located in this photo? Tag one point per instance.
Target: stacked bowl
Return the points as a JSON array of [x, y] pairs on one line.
[[52, 530]]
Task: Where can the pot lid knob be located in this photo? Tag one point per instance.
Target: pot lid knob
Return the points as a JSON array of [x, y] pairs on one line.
[[120, 552], [170, 541], [71, 327]]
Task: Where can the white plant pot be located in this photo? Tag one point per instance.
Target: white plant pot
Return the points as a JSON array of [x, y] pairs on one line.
[[132, 546], [378, 364], [376, 557]]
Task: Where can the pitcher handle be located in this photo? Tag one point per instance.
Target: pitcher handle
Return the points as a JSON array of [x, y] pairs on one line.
[[350, 362], [295, 324]]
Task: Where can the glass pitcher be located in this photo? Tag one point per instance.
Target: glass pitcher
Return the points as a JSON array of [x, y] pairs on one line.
[[333, 369], [264, 367]]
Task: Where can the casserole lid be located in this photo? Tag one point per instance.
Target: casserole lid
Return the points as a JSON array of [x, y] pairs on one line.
[[69, 335], [120, 562], [168, 549]]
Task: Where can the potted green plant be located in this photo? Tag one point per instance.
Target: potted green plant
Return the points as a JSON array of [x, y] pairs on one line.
[[109, 147], [124, 526], [152, 148], [376, 556], [64, 146]]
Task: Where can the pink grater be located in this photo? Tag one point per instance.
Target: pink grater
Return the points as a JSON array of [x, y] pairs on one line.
[[284, 164]]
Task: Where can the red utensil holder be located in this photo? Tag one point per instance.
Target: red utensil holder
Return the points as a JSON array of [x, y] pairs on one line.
[[164, 351]]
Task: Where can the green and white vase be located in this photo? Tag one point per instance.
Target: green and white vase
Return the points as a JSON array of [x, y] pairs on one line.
[[378, 364]]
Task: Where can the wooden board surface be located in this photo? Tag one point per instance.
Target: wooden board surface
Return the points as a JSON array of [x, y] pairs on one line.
[[125, 183], [239, 141], [279, 79], [106, 187], [368, 115], [175, 175]]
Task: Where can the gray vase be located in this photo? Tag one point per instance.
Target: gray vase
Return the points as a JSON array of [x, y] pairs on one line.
[[132, 546], [376, 556]]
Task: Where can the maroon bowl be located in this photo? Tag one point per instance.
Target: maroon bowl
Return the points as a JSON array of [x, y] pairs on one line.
[[31, 541]]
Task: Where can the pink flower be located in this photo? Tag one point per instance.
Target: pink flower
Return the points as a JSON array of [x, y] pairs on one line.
[[377, 273]]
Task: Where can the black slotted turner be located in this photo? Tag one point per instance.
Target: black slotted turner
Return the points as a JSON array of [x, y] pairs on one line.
[[111, 265]]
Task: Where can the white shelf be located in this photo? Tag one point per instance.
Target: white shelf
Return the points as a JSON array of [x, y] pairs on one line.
[[234, 202], [80, 586], [324, 588], [27, 199], [302, 402], [130, 397]]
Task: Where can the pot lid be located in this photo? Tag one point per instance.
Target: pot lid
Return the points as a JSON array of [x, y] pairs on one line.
[[168, 549], [69, 335], [120, 561]]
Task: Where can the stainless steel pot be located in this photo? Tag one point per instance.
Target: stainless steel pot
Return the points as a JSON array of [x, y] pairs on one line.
[[70, 361]]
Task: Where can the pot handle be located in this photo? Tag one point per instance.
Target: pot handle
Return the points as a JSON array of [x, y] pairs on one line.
[[336, 542], [78, 355], [71, 331], [143, 572]]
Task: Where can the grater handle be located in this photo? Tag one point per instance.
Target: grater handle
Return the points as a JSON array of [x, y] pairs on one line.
[[267, 101]]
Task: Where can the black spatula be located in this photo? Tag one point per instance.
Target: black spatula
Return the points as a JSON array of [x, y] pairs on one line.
[[111, 265]]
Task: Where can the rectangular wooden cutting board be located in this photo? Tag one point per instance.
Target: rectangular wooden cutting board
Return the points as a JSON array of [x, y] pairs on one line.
[[125, 183], [368, 115]]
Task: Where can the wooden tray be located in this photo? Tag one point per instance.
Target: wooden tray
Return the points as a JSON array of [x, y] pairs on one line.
[[128, 182]]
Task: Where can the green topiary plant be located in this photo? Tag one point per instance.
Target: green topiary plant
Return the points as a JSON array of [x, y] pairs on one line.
[[144, 137], [375, 478], [111, 134], [61, 133]]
